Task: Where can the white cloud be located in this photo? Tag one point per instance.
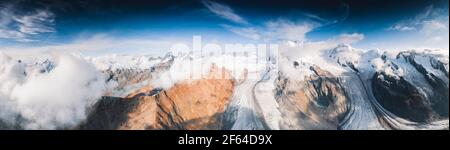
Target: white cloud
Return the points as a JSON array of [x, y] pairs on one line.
[[435, 39], [312, 51], [57, 99], [432, 26], [400, 27], [274, 30], [428, 19], [288, 30], [349, 38], [9, 34], [35, 23], [413, 23], [22, 26], [224, 11], [99, 43], [247, 32]]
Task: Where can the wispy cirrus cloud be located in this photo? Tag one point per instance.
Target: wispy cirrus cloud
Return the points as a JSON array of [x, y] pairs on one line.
[[274, 29], [280, 29], [23, 25], [427, 19], [431, 24], [224, 11]]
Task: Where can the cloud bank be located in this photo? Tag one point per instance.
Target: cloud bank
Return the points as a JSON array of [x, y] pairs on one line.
[[99, 44], [56, 99]]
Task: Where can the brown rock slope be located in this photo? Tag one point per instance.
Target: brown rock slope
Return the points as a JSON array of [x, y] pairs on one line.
[[315, 103], [193, 105]]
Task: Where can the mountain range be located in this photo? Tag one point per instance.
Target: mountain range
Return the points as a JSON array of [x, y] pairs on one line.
[[341, 88]]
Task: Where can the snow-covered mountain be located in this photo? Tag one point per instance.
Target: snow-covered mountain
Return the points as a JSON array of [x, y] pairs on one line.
[[337, 88]]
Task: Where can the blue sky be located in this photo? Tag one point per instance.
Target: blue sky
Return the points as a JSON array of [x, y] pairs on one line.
[[138, 26]]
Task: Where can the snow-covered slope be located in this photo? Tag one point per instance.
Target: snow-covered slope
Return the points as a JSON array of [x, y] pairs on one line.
[[332, 88], [407, 89]]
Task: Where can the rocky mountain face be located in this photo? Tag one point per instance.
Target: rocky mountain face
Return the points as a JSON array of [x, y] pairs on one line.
[[351, 89], [193, 105], [421, 95], [318, 102], [373, 90], [408, 89]]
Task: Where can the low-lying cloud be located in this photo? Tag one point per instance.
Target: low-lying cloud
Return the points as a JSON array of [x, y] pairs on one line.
[[57, 99]]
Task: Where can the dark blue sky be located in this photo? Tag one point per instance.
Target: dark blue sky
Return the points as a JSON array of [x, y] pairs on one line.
[[382, 23]]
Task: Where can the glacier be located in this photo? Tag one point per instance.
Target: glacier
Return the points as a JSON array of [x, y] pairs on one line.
[[337, 88]]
